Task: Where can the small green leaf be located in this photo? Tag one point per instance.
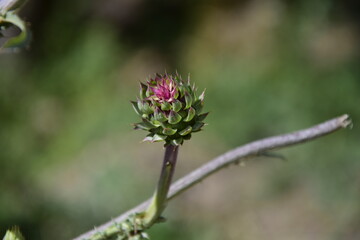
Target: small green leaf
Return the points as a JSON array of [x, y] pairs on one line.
[[190, 115], [177, 141], [174, 117], [136, 108], [155, 103], [155, 123], [198, 106], [154, 138], [187, 137], [186, 131], [158, 138], [183, 113], [182, 90], [169, 131], [159, 115], [145, 125], [143, 89], [148, 139], [201, 117], [197, 126], [176, 95], [144, 107], [142, 126], [140, 105], [176, 105], [148, 92], [23, 38], [188, 100], [147, 108], [165, 106]]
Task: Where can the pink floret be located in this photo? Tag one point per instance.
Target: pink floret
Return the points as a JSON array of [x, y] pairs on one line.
[[164, 90]]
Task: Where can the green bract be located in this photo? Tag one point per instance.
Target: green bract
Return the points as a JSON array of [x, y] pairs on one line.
[[9, 17], [13, 234], [170, 109]]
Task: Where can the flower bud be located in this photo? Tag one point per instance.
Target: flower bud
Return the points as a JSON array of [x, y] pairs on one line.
[[169, 109]]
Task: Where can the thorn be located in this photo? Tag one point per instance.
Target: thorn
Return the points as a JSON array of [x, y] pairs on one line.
[[272, 155], [202, 96], [161, 219], [346, 121], [242, 163]]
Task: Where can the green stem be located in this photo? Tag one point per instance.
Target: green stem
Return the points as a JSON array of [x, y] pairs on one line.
[[159, 199]]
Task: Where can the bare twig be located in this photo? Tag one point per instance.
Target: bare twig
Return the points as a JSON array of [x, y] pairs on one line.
[[248, 150]]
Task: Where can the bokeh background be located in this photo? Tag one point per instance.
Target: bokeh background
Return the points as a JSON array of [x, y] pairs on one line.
[[69, 159]]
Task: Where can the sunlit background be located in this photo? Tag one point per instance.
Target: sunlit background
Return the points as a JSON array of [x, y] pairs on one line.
[[69, 159]]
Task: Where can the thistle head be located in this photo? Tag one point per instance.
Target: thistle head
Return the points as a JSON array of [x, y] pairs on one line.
[[170, 109], [163, 89]]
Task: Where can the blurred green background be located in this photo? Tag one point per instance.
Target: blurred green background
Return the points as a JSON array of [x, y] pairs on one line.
[[69, 159]]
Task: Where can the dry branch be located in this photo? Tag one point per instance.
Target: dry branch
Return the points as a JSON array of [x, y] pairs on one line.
[[248, 150]]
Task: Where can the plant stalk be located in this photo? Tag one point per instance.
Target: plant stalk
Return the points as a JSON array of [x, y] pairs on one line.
[[159, 199]]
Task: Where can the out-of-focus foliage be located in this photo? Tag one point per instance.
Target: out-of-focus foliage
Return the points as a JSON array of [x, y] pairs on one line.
[[70, 160]]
